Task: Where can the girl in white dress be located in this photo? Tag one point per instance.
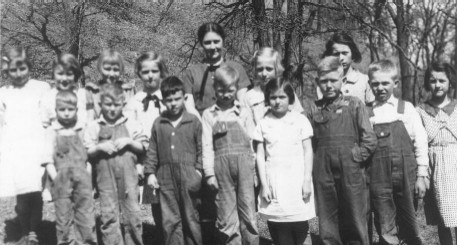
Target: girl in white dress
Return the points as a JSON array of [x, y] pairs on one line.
[[439, 116], [284, 162], [22, 149]]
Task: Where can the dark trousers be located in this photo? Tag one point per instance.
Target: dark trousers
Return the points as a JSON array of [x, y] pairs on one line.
[[235, 203], [341, 195], [179, 196], [288, 233], [72, 192], [29, 208], [392, 180]]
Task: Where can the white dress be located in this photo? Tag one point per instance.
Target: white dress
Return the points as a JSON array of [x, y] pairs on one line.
[[285, 166], [22, 146]]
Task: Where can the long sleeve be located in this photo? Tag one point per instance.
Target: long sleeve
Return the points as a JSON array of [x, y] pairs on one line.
[[420, 140], [207, 144], [198, 141], [151, 160], [367, 137]]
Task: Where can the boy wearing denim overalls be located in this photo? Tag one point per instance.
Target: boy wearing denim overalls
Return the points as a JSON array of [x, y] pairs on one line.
[[228, 161], [343, 140], [113, 143], [400, 162], [71, 180], [173, 164]]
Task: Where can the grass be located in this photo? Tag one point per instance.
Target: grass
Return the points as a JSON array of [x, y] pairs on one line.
[[9, 228]]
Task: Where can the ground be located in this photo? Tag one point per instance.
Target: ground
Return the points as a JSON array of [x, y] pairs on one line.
[[9, 228]]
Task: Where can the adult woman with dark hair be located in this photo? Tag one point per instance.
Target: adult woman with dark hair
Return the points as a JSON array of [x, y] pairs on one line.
[[439, 116], [354, 82], [198, 78]]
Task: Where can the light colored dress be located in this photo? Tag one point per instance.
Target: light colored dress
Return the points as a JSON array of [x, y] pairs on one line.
[[441, 127], [23, 138], [285, 167]]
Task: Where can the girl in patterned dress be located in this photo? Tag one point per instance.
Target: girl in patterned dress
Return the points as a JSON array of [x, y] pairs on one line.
[[439, 116]]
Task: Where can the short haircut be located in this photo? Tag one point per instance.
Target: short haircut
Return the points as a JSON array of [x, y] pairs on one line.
[[440, 67], [18, 56], [210, 27], [270, 53], [66, 97], [386, 66], [329, 64], [111, 56], [152, 56], [68, 62], [112, 91], [171, 85], [346, 39], [279, 83], [226, 75]]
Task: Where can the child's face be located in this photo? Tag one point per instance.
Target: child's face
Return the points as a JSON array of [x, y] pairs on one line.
[[65, 79], [279, 103], [212, 44], [330, 84], [19, 73], [66, 113], [111, 72], [382, 84], [112, 109], [439, 84], [225, 95], [150, 75], [174, 103], [343, 52], [265, 69]]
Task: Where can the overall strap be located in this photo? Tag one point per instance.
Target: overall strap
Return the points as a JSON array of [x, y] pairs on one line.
[[401, 107]]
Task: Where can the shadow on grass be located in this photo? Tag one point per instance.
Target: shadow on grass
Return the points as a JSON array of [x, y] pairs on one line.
[[46, 232]]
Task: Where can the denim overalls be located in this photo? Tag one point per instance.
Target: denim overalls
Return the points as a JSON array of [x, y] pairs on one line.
[[117, 182], [72, 192], [234, 170], [392, 181], [340, 181]]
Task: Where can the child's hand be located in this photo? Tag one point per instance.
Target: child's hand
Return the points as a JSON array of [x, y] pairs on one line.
[[306, 191], [107, 147], [121, 143], [266, 194], [420, 187], [152, 182], [140, 170], [212, 183]]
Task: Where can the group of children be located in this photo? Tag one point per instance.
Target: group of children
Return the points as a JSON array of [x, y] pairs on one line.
[[335, 160]]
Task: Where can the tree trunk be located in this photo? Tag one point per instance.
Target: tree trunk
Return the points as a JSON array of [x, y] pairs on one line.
[[290, 34], [260, 23], [277, 4]]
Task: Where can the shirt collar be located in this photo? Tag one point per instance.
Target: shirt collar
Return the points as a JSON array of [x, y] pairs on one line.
[[433, 110], [351, 76], [391, 101], [235, 108], [185, 118], [57, 126], [142, 94], [101, 120]]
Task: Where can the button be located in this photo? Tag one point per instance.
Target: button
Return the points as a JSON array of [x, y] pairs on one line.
[[346, 91], [172, 146], [382, 133], [173, 134]]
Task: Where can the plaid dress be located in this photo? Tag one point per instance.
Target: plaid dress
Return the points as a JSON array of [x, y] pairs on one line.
[[441, 127]]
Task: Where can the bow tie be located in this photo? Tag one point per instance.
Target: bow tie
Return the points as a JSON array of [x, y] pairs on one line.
[[148, 98]]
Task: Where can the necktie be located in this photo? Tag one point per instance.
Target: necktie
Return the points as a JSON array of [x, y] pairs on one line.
[[148, 98]]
